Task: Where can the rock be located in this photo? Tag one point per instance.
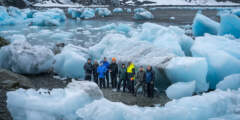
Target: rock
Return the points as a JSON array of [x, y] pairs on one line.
[[15, 3], [3, 42], [10, 80], [4, 113]]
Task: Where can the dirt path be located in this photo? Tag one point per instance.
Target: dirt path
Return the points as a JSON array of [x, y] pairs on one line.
[[139, 100]]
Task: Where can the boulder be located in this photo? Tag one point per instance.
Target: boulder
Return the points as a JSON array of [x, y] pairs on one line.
[[10, 80], [3, 42], [4, 113]]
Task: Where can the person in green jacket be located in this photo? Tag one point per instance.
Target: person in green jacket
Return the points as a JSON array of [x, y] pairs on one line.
[[122, 77]]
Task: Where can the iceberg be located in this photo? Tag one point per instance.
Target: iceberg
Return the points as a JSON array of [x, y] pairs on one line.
[[143, 15], [230, 82], [74, 12], [230, 24], [180, 89], [117, 10], [5, 19], [236, 12], [103, 12], [129, 10], [52, 105], [51, 17], [69, 63], [172, 38], [187, 69], [125, 49], [222, 55], [87, 13], [21, 57], [199, 107], [203, 24]]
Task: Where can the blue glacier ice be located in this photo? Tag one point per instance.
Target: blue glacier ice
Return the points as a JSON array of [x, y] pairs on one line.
[[172, 38], [103, 12], [84, 100], [203, 24], [21, 57], [142, 14], [5, 19], [74, 12], [236, 12], [222, 55], [201, 107], [87, 13], [117, 10], [129, 10], [69, 63], [52, 105], [51, 17], [187, 69], [230, 24], [181, 89], [230, 82]]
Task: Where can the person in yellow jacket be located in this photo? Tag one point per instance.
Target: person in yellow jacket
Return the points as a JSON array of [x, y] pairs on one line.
[[131, 77]]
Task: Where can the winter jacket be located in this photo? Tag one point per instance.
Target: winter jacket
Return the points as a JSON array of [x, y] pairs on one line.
[[122, 73], [131, 71], [88, 68], [113, 68], [95, 67], [101, 71], [141, 77], [150, 76], [106, 64]]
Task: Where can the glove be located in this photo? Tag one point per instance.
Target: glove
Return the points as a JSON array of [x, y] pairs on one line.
[[131, 79]]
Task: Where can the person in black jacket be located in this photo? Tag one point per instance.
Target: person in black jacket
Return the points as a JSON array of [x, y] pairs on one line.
[[88, 69], [95, 74], [150, 77], [140, 80], [113, 69]]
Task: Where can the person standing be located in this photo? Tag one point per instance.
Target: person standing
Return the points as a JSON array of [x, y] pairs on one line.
[[106, 64], [95, 74], [140, 80], [131, 78], [122, 77], [150, 77], [88, 69], [101, 70], [113, 69]]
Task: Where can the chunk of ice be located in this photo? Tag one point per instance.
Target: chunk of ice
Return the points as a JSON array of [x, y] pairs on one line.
[[180, 89], [186, 69], [203, 24], [230, 82], [21, 57], [222, 55]]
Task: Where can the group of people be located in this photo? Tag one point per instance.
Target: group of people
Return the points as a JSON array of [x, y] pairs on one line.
[[129, 79]]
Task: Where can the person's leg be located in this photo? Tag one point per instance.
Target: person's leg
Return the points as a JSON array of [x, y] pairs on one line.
[[95, 77], [107, 78], [101, 83], [151, 91], [119, 85], [124, 85], [148, 90], [137, 87], [132, 86], [115, 81], [112, 79]]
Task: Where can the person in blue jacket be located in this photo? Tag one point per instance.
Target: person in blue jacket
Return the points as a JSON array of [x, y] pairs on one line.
[[106, 64], [150, 77], [101, 70]]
